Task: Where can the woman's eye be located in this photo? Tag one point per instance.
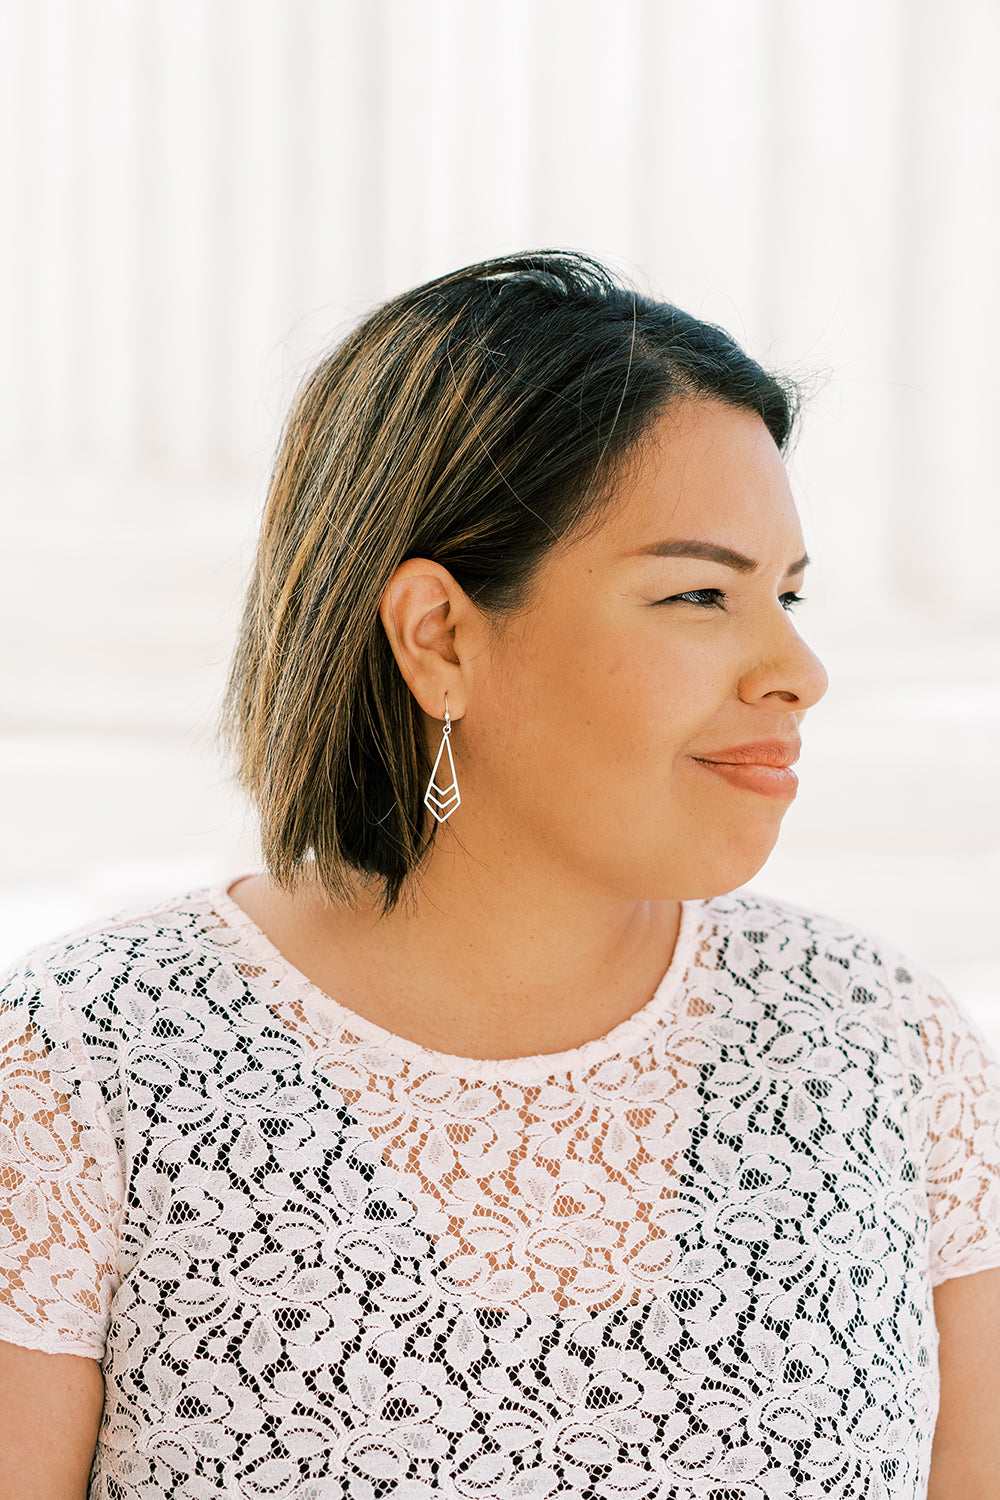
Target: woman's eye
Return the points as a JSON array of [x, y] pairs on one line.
[[708, 598], [716, 598]]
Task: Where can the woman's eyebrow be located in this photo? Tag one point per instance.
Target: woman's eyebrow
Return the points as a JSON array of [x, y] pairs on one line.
[[712, 552]]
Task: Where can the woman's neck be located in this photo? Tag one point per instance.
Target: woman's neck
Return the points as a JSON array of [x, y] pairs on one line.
[[511, 970]]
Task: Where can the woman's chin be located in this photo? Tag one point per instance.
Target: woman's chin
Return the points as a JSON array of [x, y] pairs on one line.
[[707, 877]]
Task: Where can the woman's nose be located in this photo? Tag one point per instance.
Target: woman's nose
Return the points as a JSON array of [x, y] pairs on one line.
[[787, 669]]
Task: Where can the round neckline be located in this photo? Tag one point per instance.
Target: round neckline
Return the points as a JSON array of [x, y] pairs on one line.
[[620, 1041]]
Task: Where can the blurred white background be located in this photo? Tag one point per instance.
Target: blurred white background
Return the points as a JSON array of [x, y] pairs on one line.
[[200, 195]]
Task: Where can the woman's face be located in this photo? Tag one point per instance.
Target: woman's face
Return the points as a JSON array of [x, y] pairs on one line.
[[604, 724]]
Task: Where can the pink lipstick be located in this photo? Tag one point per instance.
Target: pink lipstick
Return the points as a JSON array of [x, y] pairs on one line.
[[764, 767]]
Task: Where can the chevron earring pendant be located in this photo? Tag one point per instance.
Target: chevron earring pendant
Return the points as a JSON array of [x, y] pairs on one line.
[[443, 799]]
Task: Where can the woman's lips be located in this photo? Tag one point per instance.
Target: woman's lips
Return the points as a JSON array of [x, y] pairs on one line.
[[770, 781]]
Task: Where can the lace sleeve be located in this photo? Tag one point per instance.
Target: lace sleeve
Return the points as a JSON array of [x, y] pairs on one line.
[[957, 1102], [60, 1180]]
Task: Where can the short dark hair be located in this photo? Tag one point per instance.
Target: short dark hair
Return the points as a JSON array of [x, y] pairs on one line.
[[477, 420]]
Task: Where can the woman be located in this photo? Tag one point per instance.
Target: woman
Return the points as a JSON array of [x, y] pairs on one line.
[[485, 1144]]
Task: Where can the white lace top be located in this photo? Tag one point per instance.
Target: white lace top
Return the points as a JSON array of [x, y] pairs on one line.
[[691, 1259]]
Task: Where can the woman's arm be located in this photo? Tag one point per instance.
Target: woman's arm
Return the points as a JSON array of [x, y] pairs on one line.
[[50, 1410], [966, 1460]]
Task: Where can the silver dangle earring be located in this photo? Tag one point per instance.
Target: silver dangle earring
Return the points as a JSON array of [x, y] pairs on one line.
[[442, 800]]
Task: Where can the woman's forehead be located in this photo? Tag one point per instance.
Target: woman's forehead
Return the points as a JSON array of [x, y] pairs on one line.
[[709, 474]]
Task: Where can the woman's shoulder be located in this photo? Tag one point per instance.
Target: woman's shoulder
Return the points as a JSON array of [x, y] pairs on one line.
[[122, 963], [779, 927], [804, 979], [813, 956]]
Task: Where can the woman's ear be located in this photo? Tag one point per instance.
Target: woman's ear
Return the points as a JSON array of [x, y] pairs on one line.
[[434, 630]]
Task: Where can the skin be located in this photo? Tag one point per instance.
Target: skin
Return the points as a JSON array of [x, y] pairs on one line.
[[549, 907], [50, 1410], [965, 1464]]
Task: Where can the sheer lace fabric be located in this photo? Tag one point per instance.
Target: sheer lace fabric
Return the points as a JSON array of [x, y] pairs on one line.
[[691, 1259]]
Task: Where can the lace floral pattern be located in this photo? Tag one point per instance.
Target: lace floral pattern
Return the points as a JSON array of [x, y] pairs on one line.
[[692, 1259]]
